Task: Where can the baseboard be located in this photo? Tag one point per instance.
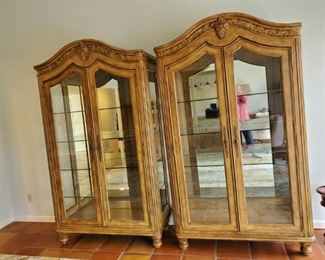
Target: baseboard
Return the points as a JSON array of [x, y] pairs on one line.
[[5, 222], [34, 218], [319, 224]]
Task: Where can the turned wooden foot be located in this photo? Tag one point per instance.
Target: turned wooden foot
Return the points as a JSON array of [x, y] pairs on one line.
[[64, 238], [305, 248], [183, 244], [156, 241]]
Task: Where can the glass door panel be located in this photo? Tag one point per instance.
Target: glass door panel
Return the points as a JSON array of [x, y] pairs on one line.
[[159, 144], [260, 111], [201, 140], [119, 146], [73, 148]]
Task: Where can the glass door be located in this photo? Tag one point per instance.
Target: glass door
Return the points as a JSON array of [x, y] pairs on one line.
[[117, 147], [262, 134], [160, 149], [203, 139], [75, 173]]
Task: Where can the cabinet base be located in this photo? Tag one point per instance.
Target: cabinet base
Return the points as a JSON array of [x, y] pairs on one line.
[[156, 241], [183, 243], [64, 238], [305, 248]]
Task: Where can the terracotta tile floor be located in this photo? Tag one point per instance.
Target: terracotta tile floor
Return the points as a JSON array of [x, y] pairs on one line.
[[40, 239]]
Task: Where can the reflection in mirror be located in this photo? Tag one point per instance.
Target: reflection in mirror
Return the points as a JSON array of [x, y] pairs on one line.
[[262, 129], [158, 136], [73, 148], [199, 118], [119, 146]]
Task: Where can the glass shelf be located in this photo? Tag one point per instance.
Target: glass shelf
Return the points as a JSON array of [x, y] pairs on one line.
[[262, 93], [78, 197], [73, 141], [201, 133], [111, 108], [119, 138], [259, 163], [196, 100], [68, 112], [204, 165], [121, 168], [69, 170]]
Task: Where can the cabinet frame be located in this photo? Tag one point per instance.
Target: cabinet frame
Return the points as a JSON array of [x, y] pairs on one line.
[[227, 31], [86, 56]]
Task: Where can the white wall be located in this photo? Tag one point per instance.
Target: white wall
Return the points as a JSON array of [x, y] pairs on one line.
[[5, 196], [35, 30]]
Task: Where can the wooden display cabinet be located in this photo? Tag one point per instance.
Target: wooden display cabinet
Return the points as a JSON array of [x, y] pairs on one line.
[[104, 144], [232, 102]]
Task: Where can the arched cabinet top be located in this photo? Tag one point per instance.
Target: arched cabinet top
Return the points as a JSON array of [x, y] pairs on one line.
[[223, 25], [85, 52]]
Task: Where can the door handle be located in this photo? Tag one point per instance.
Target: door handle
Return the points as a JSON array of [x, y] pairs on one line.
[[225, 141], [236, 142], [99, 148]]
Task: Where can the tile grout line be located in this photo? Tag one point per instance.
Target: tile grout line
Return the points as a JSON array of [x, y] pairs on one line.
[[249, 250], [126, 247], [99, 246], [285, 250], [321, 243], [216, 250], [183, 251]]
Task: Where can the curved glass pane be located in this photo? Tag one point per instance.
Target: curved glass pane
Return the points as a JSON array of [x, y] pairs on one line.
[[73, 148], [159, 144], [199, 117], [119, 146], [263, 138]]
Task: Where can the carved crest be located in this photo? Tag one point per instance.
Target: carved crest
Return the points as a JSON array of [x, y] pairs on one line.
[[222, 23], [221, 26], [84, 50]]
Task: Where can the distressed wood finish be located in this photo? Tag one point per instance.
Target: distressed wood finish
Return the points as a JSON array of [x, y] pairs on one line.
[[86, 57], [226, 33]]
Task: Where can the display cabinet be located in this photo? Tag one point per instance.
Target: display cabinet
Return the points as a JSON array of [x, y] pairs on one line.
[[104, 144], [232, 101]]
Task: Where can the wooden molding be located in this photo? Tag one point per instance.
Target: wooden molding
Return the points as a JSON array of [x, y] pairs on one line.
[[83, 50], [276, 46], [222, 23]]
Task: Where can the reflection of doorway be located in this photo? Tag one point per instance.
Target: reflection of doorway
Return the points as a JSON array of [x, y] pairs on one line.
[[111, 122]]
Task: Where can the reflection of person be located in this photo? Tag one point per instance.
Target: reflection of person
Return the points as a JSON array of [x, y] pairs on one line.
[[243, 115]]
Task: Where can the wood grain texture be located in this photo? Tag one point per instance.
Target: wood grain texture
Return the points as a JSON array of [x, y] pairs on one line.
[[222, 35], [222, 24], [85, 57]]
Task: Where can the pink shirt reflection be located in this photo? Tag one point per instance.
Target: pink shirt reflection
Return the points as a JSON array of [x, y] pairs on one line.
[[242, 108]]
